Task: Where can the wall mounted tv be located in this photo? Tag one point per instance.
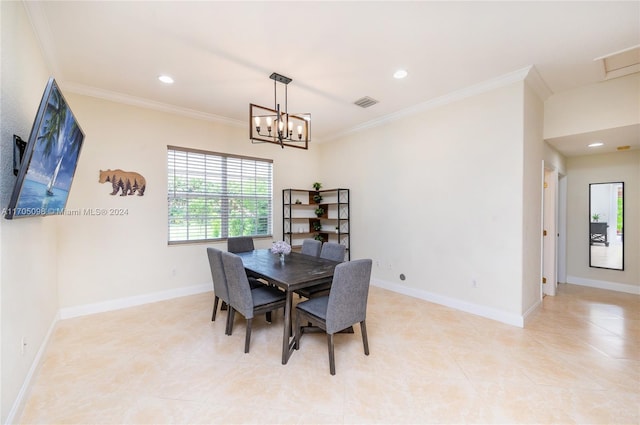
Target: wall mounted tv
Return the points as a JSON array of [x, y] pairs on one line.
[[49, 161]]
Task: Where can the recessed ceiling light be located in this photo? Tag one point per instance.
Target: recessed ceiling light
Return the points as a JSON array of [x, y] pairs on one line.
[[166, 79], [400, 74], [595, 145]]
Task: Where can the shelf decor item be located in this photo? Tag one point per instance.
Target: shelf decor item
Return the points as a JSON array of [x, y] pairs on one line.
[[319, 211], [317, 198], [317, 185], [281, 248]]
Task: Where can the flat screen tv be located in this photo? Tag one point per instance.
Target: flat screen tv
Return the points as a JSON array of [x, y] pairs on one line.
[[49, 160]]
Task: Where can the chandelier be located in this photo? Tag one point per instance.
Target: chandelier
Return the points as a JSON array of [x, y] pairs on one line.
[[278, 126]]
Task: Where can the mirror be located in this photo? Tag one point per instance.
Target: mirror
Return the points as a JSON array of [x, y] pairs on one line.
[[606, 230]]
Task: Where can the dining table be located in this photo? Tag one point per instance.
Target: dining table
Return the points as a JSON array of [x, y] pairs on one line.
[[290, 273]]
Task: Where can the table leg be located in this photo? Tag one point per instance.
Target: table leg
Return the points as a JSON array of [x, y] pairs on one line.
[[287, 327]]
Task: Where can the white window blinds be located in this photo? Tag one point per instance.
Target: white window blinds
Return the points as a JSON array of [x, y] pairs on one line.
[[215, 196]]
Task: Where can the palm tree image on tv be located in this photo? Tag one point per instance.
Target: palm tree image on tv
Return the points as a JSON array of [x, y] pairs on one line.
[[53, 161]]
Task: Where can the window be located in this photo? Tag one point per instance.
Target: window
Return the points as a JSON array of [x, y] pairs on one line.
[[215, 196]]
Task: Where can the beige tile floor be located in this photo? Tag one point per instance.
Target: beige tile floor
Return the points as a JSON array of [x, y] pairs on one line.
[[577, 361]]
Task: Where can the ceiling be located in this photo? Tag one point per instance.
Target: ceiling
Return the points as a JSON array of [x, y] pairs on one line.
[[221, 54]]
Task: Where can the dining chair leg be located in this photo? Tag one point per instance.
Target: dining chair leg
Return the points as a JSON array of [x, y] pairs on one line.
[[230, 317], [332, 359], [247, 337], [215, 307], [296, 334], [365, 340]]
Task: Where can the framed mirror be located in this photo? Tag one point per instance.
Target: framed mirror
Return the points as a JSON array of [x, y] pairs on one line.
[[606, 225]]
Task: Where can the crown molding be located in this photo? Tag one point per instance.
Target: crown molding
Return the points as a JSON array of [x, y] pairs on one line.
[[42, 31], [474, 90], [148, 104], [536, 82]]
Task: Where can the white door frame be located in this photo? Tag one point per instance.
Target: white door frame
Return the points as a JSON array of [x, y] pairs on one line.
[[562, 229], [549, 230]]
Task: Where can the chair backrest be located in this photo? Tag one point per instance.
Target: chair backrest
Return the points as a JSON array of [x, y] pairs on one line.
[[240, 297], [240, 244], [217, 274], [347, 303], [311, 247], [333, 251]]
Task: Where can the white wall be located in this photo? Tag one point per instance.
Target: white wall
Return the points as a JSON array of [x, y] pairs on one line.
[[438, 196], [28, 258], [614, 167], [533, 154], [608, 104], [104, 258]]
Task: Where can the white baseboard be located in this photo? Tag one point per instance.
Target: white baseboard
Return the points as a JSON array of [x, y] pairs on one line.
[[117, 304], [18, 404], [527, 314], [479, 310], [603, 284]]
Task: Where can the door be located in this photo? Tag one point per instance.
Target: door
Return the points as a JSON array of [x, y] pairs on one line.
[[549, 232]]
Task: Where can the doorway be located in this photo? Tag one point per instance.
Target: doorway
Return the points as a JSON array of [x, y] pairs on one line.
[[554, 225], [549, 232]]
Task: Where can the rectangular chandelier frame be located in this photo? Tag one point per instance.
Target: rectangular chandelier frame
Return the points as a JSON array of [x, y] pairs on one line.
[[295, 132], [276, 126]]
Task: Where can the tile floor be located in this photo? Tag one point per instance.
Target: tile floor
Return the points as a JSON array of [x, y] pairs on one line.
[[577, 361]]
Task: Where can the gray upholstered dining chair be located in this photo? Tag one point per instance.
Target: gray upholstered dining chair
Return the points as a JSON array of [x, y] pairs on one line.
[[311, 247], [219, 282], [240, 244], [333, 251], [330, 251], [244, 244], [246, 301], [345, 306]]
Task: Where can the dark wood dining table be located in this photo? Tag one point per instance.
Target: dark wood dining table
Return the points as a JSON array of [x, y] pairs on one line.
[[295, 272]]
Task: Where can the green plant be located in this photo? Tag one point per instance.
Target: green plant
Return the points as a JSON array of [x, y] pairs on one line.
[[317, 226], [595, 217], [319, 211], [317, 185], [317, 198], [318, 238]]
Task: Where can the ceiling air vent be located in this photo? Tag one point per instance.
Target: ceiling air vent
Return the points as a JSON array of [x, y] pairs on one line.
[[365, 102]]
